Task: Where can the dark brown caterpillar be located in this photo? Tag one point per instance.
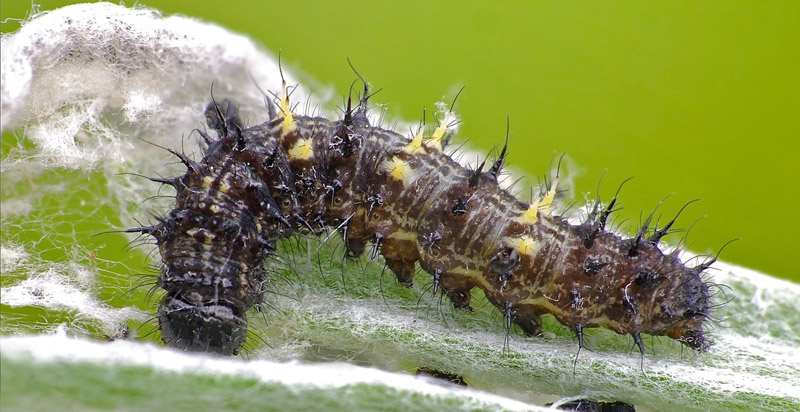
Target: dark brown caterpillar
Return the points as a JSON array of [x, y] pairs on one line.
[[415, 204]]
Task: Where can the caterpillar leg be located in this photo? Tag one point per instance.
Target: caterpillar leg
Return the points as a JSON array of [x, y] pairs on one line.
[[528, 320], [401, 255], [403, 270], [457, 290], [355, 236]]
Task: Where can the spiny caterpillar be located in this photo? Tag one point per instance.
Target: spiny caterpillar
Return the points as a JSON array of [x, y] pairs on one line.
[[414, 204]]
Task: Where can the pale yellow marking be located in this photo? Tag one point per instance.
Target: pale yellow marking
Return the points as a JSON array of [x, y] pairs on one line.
[[524, 245], [403, 235], [435, 142], [474, 274], [224, 188], [471, 273], [605, 322], [214, 208], [207, 239], [303, 149], [559, 312], [415, 144], [544, 204], [542, 302], [547, 201], [207, 180], [288, 124], [531, 215], [398, 169]]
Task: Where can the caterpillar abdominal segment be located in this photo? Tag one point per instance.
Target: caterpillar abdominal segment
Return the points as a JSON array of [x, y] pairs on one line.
[[415, 204]]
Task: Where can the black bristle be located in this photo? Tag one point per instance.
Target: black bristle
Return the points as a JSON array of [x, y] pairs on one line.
[[660, 233], [498, 164], [599, 226], [142, 229], [437, 278], [376, 244], [475, 175], [190, 164], [637, 240]]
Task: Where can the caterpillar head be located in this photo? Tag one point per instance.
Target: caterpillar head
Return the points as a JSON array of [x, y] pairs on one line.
[[675, 301], [217, 328], [688, 310]]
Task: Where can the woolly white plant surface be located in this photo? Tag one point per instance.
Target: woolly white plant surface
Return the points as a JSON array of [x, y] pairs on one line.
[[89, 91]]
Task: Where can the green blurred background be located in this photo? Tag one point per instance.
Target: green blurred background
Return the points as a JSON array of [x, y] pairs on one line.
[[692, 98]]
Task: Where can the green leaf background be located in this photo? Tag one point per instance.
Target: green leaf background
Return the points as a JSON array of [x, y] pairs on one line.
[[695, 98], [692, 98]]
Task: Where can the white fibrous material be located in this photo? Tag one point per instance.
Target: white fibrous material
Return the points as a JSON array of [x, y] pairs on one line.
[[113, 74], [69, 290], [291, 374], [89, 90]]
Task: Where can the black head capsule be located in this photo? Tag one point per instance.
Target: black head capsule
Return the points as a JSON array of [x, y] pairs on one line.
[[216, 328]]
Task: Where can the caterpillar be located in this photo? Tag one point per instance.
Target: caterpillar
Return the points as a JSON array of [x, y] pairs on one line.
[[415, 205]]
